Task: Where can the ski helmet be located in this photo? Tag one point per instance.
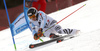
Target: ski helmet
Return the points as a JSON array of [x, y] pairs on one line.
[[32, 12]]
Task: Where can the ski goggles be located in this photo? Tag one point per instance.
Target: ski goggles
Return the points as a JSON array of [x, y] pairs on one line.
[[33, 16]]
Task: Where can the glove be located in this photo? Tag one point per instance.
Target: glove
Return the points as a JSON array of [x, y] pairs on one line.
[[36, 37], [39, 34]]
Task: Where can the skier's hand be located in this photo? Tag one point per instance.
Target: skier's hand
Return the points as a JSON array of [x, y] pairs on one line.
[[36, 37], [40, 34], [40, 30]]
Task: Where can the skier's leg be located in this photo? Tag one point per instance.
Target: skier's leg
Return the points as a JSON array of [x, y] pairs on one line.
[[51, 34], [68, 31], [47, 33], [59, 29]]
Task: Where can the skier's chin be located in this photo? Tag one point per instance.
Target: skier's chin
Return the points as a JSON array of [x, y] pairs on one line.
[[34, 19]]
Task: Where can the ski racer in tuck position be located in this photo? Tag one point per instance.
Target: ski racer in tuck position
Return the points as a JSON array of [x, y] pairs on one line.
[[39, 22]]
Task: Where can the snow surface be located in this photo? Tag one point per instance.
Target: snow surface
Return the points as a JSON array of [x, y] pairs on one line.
[[86, 19]]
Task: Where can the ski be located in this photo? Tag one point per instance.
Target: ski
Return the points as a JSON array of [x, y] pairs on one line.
[[50, 41]]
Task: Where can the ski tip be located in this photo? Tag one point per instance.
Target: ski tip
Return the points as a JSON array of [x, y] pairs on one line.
[[31, 46]]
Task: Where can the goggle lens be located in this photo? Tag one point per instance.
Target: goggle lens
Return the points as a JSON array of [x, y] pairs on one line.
[[33, 16]]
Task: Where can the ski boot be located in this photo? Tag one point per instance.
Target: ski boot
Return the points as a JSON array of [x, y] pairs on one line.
[[52, 35]]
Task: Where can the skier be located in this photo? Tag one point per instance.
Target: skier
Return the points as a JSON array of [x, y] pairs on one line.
[[39, 22]]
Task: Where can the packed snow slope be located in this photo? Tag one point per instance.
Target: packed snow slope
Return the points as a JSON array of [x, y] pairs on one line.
[[86, 19]]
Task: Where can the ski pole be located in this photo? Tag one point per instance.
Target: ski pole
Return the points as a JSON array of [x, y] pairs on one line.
[[64, 18]]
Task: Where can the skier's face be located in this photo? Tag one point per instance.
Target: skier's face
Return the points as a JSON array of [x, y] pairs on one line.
[[33, 17]]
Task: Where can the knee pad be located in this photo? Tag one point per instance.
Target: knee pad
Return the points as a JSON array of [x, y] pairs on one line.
[[57, 27]]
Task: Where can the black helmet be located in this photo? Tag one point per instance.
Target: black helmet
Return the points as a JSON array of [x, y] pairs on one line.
[[32, 11]]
